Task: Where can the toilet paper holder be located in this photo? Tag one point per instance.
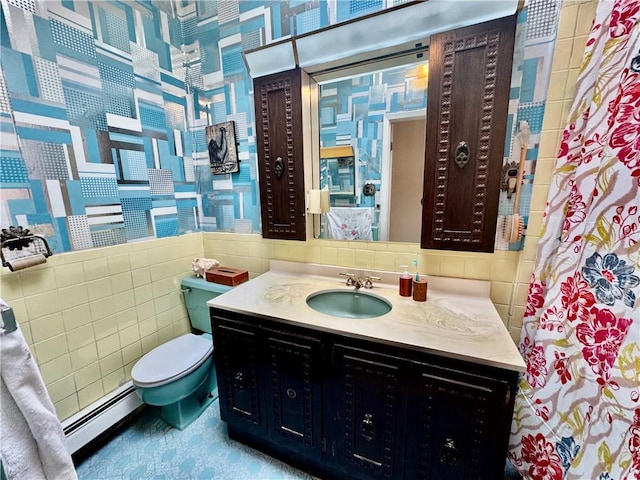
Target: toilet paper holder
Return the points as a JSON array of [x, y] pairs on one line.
[[19, 248]]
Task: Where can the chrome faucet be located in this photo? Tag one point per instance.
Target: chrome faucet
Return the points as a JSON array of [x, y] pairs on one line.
[[358, 282]]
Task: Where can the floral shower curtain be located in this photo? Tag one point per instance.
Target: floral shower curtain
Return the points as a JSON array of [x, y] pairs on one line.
[[577, 413]]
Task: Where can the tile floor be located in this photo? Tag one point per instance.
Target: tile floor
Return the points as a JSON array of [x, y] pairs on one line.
[[150, 449]]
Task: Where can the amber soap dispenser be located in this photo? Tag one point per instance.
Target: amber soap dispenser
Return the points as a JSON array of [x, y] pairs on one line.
[[406, 282]]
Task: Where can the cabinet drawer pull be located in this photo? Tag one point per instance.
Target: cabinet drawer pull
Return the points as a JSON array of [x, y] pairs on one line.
[[449, 453], [367, 429], [461, 155], [291, 393]]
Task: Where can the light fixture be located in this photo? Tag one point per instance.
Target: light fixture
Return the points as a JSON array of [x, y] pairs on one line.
[[273, 58], [400, 30]]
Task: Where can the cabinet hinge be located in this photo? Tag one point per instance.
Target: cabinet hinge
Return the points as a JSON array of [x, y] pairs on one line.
[[324, 444]]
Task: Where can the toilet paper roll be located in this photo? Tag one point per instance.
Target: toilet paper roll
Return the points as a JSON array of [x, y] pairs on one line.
[[25, 262]]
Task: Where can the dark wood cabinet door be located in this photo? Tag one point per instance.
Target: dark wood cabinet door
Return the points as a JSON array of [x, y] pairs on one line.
[[278, 109], [236, 352], [468, 97], [347, 408], [458, 425], [293, 392], [369, 426]]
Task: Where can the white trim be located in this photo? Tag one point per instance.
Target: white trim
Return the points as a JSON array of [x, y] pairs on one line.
[[92, 424], [407, 115]]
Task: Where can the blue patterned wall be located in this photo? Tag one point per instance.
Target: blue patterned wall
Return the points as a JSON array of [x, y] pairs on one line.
[[93, 116], [103, 107]]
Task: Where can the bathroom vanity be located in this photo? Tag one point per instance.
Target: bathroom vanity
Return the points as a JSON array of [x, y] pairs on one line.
[[422, 392]]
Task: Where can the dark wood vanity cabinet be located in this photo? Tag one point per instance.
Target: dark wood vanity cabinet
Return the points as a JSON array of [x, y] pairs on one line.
[[269, 382], [348, 408], [293, 387], [459, 424], [279, 134], [467, 106], [369, 393], [239, 381]]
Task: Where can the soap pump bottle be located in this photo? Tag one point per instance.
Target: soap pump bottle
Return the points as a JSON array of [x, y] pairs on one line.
[[406, 282]]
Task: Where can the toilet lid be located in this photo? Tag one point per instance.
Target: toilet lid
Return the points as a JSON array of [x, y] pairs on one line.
[[172, 360]]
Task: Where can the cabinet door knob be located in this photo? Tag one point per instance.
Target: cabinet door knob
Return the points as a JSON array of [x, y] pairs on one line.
[[278, 167], [367, 429], [291, 393], [461, 155], [449, 453]]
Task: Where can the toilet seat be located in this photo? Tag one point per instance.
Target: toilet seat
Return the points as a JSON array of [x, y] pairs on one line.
[[172, 360]]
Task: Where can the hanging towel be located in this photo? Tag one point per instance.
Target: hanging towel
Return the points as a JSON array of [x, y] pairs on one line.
[[350, 223], [32, 443]]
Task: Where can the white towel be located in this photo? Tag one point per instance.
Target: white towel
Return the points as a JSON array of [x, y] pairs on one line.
[[350, 223], [32, 443]]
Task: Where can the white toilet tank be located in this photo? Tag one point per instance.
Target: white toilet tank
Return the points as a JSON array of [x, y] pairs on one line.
[[197, 292]]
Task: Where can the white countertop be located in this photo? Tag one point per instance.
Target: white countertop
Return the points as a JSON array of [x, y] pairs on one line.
[[458, 320]]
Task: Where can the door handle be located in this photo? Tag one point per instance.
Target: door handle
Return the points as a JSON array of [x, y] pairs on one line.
[[461, 154], [239, 381], [278, 167], [449, 454], [367, 428]]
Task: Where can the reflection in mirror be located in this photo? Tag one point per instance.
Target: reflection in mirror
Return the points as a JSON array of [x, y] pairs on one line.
[[406, 162], [338, 171], [375, 190]]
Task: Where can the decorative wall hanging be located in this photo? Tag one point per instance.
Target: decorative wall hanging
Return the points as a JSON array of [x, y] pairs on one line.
[[223, 151]]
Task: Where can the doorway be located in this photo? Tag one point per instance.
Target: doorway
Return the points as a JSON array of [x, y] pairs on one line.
[[404, 136]]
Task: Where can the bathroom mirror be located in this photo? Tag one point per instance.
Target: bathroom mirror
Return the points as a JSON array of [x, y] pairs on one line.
[[373, 87], [375, 190]]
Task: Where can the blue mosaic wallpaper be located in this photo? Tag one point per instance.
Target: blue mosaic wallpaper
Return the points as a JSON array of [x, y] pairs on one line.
[[103, 109]]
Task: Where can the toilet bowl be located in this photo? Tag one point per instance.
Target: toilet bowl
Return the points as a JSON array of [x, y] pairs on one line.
[[179, 375]]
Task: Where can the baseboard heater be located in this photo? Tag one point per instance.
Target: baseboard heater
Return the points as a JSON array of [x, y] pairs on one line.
[[94, 420]]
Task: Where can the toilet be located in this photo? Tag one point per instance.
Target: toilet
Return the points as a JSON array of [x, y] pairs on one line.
[[179, 375]]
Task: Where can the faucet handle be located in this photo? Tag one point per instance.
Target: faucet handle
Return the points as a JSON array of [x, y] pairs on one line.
[[368, 281], [351, 278]]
